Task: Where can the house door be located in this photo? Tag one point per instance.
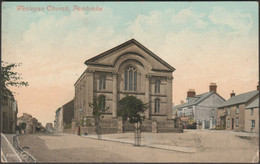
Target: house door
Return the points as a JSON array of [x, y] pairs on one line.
[[232, 123]]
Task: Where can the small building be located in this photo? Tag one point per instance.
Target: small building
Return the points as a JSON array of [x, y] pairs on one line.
[[231, 114], [49, 128], [252, 116], [200, 109]]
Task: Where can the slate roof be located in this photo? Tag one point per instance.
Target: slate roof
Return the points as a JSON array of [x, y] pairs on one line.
[[91, 60], [240, 99], [201, 97], [254, 104]]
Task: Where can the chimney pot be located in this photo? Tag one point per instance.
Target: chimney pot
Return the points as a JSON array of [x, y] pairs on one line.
[[191, 93], [213, 87], [232, 94]]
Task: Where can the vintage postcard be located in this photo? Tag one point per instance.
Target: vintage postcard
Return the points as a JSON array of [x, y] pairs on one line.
[[130, 82]]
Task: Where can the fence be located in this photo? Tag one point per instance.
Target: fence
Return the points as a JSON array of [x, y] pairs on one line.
[[8, 153], [24, 154]]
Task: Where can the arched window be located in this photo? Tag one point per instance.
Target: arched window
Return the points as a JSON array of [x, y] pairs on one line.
[[131, 79], [102, 82], [102, 102], [157, 86], [157, 106]]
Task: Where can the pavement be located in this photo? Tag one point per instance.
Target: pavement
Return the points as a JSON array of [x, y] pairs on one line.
[[144, 143]]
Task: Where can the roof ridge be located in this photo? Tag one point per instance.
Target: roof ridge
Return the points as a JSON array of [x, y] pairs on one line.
[[126, 43]]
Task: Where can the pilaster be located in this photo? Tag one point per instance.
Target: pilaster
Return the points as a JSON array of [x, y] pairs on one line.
[[114, 106], [169, 97], [147, 95], [89, 93]]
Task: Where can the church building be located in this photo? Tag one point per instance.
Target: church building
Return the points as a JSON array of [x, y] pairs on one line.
[[127, 69]]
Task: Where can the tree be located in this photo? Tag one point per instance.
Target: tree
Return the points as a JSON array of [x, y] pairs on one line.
[[133, 109], [10, 78], [99, 107]]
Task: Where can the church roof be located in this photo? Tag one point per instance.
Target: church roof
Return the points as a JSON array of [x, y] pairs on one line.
[[132, 41]]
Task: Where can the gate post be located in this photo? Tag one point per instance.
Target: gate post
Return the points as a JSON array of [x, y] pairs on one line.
[[154, 126], [119, 125]]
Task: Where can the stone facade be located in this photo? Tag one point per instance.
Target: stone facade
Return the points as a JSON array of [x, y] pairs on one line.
[[201, 108], [30, 122], [58, 123], [49, 127], [63, 117], [232, 115], [252, 116], [128, 69], [9, 111]]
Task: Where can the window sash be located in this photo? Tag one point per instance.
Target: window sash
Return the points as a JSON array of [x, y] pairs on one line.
[[135, 80], [130, 80], [126, 79], [157, 106], [251, 111], [252, 123]]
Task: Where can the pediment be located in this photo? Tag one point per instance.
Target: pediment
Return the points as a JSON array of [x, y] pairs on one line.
[[129, 49]]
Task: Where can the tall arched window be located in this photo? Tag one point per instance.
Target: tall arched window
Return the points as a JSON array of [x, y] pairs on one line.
[[102, 82], [157, 86], [157, 106], [102, 102], [131, 79]]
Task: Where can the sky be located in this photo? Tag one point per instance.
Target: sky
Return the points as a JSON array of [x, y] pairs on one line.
[[204, 41]]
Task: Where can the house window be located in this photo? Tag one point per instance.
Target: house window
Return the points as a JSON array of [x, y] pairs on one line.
[[157, 86], [251, 111], [228, 111], [252, 123], [157, 106], [131, 78], [228, 122], [102, 82], [102, 102], [237, 109], [237, 121]]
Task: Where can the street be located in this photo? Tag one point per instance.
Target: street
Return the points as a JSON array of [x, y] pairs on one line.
[[206, 146]]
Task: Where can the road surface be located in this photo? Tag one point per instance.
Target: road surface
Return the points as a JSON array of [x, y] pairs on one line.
[[211, 146]]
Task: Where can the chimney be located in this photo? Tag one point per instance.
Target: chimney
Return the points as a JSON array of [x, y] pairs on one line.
[[191, 93], [213, 87], [182, 102], [232, 94]]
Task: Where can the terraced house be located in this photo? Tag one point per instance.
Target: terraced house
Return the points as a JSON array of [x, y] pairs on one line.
[[231, 114], [127, 69]]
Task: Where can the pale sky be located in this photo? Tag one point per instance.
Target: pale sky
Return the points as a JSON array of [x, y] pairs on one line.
[[204, 41]]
